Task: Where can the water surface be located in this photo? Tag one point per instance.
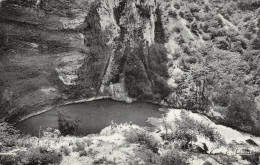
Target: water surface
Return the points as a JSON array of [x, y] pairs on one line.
[[93, 116]]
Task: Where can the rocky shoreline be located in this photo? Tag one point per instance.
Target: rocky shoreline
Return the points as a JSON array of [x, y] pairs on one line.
[[62, 104]]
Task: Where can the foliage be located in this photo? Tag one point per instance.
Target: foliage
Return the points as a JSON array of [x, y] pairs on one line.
[[38, 155], [144, 138], [83, 153], [80, 146], [253, 158], [172, 157], [240, 110], [65, 150], [158, 71], [8, 135], [194, 7], [187, 130], [146, 72], [173, 14], [34, 156], [66, 124], [103, 161], [136, 78]]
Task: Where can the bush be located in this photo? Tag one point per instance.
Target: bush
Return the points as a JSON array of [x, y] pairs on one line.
[[173, 14], [256, 43], [222, 43], [191, 60], [186, 130], [67, 126], [143, 138], [240, 109], [177, 5], [181, 14], [206, 36], [172, 158], [38, 155], [65, 150], [161, 86], [186, 48], [8, 136], [194, 7], [221, 96], [253, 158], [82, 153], [103, 161], [80, 146]]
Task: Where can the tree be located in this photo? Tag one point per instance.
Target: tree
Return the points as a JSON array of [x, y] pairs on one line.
[[241, 107], [199, 76]]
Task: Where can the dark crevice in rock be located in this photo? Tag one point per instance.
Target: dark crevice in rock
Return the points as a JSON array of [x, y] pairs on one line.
[[118, 11], [96, 61], [159, 30], [122, 46], [144, 11]]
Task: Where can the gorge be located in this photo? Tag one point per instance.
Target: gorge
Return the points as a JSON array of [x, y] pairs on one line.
[[199, 55]]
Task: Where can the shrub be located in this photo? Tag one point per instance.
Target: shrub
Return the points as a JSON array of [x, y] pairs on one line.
[[206, 36], [188, 16], [191, 60], [222, 43], [38, 155], [176, 29], [173, 14], [186, 48], [142, 137], [8, 160], [172, 158], [161, 86], [253, 158], [8, 135], [176, 5], [193, 7], [65, 150], [67, 126], [103, 161], [83, 153], [221, 96], [240, 109], [256, 43], [80, 146], [181, 14], [179, 39], [247, 18], [187, 130]]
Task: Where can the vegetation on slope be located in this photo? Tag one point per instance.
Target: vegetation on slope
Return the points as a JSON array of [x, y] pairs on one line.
[[183, 139], [219, 58]]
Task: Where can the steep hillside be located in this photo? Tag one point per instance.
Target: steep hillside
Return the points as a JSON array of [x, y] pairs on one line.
[[193, 54]]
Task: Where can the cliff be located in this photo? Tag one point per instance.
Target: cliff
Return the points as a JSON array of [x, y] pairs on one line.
[[187, 54], [77, 49]]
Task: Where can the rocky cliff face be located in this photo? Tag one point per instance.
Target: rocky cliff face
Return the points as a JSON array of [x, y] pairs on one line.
[[70, 49], [131, 50]]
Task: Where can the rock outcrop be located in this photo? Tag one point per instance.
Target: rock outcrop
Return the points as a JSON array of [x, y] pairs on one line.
[[161, 51], [78, 48]]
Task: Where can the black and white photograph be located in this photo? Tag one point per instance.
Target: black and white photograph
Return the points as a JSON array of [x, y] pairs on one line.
[[129, 82]]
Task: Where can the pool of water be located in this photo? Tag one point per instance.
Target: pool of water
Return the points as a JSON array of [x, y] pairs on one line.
[[93, 116]]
